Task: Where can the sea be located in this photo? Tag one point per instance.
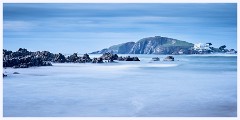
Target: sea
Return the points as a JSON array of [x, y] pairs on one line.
[[190, 86]]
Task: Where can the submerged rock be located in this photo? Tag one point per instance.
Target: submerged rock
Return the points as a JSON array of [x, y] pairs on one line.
[[16, 73], [169, 58], [155, 59]]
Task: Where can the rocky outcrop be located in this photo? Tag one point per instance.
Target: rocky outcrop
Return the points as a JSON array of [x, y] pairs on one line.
[[86, 58], [45, 55], [24, 59], [77, 59], [128, 58], [109, 57], [60, 58], [73, 58], [150, 45], [97, 60], [25, 62]]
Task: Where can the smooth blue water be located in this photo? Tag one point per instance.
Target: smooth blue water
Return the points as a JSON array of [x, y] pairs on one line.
[[193, 85]]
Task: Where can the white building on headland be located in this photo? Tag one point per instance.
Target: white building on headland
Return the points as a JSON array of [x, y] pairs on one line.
[[201, 46]]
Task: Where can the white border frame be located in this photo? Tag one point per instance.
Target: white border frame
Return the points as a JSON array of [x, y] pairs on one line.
[[117, 1]]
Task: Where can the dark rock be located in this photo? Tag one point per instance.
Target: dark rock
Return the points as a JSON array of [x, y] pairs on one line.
[[231, 51], [24, 59], [94, 60], [36, 61], [24, 51], [135, 59], [120, 58], [155, 59], [222, 48], [20, 53], [169, 58], [4, 75], [73, 58], [128, 58], [44, 55], [86, 58], [16, 73], [6, 52], [60, 58], [97, 60], [109, 56], [16, 54]]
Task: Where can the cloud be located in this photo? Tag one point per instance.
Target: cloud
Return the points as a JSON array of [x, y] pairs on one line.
[[106, 24], [97, 24], [18, 25], [48, 10]]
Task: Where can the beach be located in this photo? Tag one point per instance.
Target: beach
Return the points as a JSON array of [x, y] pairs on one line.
[[190, 86]]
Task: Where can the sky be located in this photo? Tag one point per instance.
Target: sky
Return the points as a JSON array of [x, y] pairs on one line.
[[88, 27]]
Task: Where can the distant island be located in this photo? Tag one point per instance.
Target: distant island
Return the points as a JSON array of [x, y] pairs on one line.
[[164, 45]]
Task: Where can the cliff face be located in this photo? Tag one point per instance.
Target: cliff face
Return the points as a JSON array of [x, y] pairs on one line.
[[150, 45], [122, 48]]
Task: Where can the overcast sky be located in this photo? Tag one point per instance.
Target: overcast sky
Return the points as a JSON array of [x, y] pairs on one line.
[[84, 28]]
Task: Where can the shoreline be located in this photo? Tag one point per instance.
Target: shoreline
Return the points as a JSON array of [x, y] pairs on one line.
[[24, 58]]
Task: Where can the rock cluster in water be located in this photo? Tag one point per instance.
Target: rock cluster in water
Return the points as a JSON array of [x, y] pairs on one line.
[[128, 58], [24, 58], [168, 58]]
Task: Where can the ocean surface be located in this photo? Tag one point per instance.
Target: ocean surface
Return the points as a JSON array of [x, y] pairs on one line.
[[190, 86]]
